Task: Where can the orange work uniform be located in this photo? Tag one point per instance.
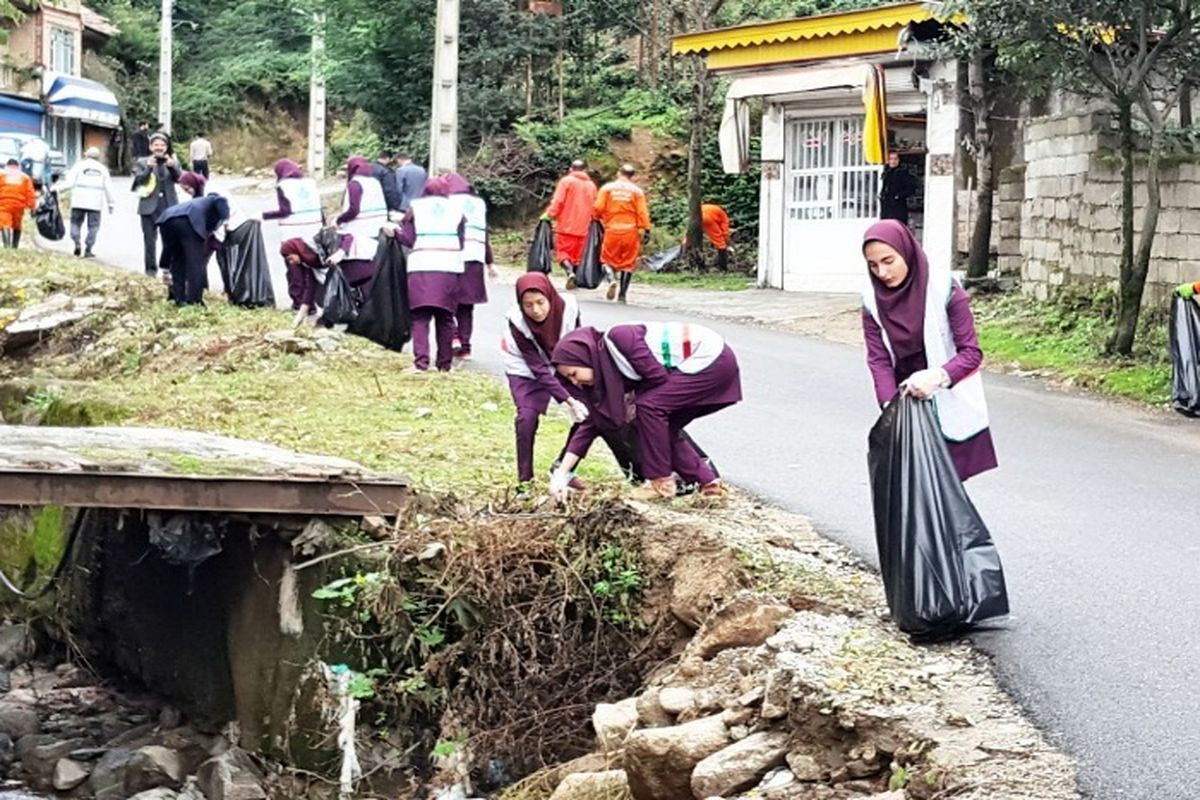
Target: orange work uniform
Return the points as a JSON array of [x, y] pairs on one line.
[[16, 195], [621, 208], [716, 224], [571, 209]]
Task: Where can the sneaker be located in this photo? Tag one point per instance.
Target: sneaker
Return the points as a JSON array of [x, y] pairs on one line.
[[571, 283], [76, 250], [612, 291], [455, 345], [88, 253], [622, 300]]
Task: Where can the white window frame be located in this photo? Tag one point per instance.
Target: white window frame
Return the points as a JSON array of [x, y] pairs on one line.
[[828, 176], [62, 50]]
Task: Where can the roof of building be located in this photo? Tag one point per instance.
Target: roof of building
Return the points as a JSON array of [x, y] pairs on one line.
[[97, 23], [843, 34]]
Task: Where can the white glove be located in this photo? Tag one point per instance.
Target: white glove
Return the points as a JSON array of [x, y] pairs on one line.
[[924, 383], [560, 485], [576, 410]]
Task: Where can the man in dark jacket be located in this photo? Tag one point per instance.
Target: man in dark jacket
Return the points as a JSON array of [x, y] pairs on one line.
[[410, 179], [382, 171], [154, 179], [140, 141], [898, 185]]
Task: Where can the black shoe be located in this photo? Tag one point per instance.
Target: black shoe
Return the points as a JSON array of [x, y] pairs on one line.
[[88, 253], [151, 273], [76, 248]]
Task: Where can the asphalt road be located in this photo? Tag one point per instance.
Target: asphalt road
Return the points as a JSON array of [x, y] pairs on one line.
[[1093, 509]]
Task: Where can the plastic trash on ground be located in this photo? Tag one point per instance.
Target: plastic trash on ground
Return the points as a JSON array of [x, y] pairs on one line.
[[660, 260], [1185, 356], [541, 250], [941, 571]]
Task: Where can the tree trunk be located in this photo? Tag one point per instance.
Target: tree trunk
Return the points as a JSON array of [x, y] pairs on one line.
[[979, 257], [1129, 292], [654, 49], [695, 230]]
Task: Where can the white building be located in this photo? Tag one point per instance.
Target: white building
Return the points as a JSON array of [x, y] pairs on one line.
[[818, 192]]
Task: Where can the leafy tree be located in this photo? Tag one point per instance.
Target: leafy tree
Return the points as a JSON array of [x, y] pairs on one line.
[[1135, 56]]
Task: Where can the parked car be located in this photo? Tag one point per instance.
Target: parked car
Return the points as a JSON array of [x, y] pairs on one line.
[[38, 160]]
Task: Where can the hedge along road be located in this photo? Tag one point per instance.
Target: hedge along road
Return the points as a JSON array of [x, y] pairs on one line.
[[1092, 509]]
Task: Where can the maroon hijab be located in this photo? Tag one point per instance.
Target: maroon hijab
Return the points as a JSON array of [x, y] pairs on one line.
[[605, 398], [286, 168], [901, 310], [439, 186], [298, 247], [358, 166], [194, 182], [548, 330]]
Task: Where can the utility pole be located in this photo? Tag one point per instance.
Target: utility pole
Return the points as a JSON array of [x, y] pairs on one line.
[[165, 47], [316, 101], [443, 133]]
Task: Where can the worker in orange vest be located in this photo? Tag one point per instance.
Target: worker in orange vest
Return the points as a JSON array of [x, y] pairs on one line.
[[16, 195], [571, 209], [716, 228], [622, 210]]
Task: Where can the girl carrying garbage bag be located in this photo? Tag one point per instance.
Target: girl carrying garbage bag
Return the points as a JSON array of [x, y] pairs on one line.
[[921, 339]]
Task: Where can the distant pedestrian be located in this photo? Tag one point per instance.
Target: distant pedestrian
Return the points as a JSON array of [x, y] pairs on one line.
[[364, 209], [622, 210], [896, 187], [91, 190], [200, 151], [676, 373], [572, 209], [139, 143], [476, 253], [536, 323], [383, 171], [410, 180], [921, 340], [17, 196], [716, 229], [433, 229], [154, 179], [188, 231], [300, 214]]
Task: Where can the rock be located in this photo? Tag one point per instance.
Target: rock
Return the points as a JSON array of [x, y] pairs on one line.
[[659, 761], [777, 696], [650, 712], [676, 699], [805, 767], [592, 785], [327, 345], [17, 722], [170, 717], [87, 753], [68, 774], [613, 722], [108, 776], [743, 623], [701, 581], [38, 755], [896, 795], [17, 645], [8, 753], [156, 794], [230, 776], [153, 766], [741, 765], [863, 769]]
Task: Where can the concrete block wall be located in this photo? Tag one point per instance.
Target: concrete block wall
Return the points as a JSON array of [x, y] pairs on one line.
[[1070, 212]]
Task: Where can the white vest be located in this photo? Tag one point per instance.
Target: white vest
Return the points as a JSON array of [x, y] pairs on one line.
[[305, 200], [676, 345], [474, 211], [514, 361], [961, 410], [437, 248], [372, 214]]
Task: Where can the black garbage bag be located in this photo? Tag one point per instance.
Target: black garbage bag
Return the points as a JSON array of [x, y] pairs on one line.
[[541, 250], [338, 307], [245, 272], [590, 273], [49, 218], [941, 571], [1185, 356], [384, 316]]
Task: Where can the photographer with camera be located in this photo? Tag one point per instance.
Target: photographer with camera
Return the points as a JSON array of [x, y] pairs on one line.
[[154, 180]]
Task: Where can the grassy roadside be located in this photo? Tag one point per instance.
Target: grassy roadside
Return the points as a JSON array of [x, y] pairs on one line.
[[1063, 339], [141, 361], [712, 281]]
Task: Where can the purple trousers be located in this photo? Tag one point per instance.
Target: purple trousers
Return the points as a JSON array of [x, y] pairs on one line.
[[531, 399], [421, 319], [666, 409], [464, 326]]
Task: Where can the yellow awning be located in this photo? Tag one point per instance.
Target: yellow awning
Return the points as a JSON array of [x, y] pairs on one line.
[[871, 30]]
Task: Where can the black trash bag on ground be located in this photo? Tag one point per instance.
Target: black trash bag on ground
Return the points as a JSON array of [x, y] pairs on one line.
[[244, 268], [49, 218], [590, 273], [1185, 356], [338, 307], [541, 250], [941, 571], [384, 317]]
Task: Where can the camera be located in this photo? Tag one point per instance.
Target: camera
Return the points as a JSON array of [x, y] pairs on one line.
[[160, 159]]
